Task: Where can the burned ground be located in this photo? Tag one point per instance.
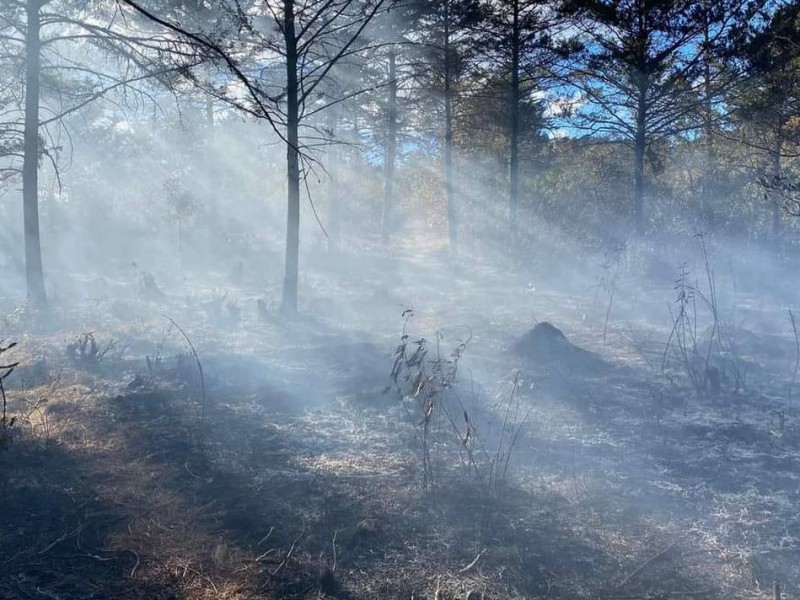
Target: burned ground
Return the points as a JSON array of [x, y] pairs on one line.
[[294, 473]]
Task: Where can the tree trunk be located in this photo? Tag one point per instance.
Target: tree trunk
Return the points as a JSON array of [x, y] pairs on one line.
[[390, 150], [777, 176], [289, 304], [30, 171], [213, 170], [639, 148], [513, 184], [334, 198], [704, 210], [452, 223]]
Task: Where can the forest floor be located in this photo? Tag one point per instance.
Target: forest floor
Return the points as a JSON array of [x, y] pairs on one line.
[[288, 471]]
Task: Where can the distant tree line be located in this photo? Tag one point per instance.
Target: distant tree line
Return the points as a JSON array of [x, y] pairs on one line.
[[495, 117]]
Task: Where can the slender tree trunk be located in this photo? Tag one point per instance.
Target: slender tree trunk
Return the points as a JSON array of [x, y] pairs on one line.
[[639, 148], [210, 112], [777, 175], [390, 150], [452, 222], [30, 170], [289, 304], [334, 198], [213, 170], [513, 186], [704, 210]]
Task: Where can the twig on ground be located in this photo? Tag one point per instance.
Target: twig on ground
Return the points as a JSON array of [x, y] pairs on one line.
[[647, 563], [289, 553], [189, 471], [65, 536], [264, 555], [335, 533], [266, 537], [136, 566], [474, 562]]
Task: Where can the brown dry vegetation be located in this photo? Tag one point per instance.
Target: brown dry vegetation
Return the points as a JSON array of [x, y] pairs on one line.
[[298, 477]]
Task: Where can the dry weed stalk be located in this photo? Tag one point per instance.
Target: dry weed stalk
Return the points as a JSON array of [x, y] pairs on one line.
[[427, 381], [509, 433], [423, 380], [608, 282], [490, 466], [696, 352], [796, 355], [199, 367]]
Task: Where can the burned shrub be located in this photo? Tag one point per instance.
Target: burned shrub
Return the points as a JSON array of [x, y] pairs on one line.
[[86, 352], [6, 422]]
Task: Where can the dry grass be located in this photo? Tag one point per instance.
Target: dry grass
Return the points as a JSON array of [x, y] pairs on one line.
[[303, 481]]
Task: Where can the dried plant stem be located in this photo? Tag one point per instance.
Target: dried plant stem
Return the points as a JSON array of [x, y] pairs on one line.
[[290, 552], [608, 309], [199, 367], [797, 354]]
